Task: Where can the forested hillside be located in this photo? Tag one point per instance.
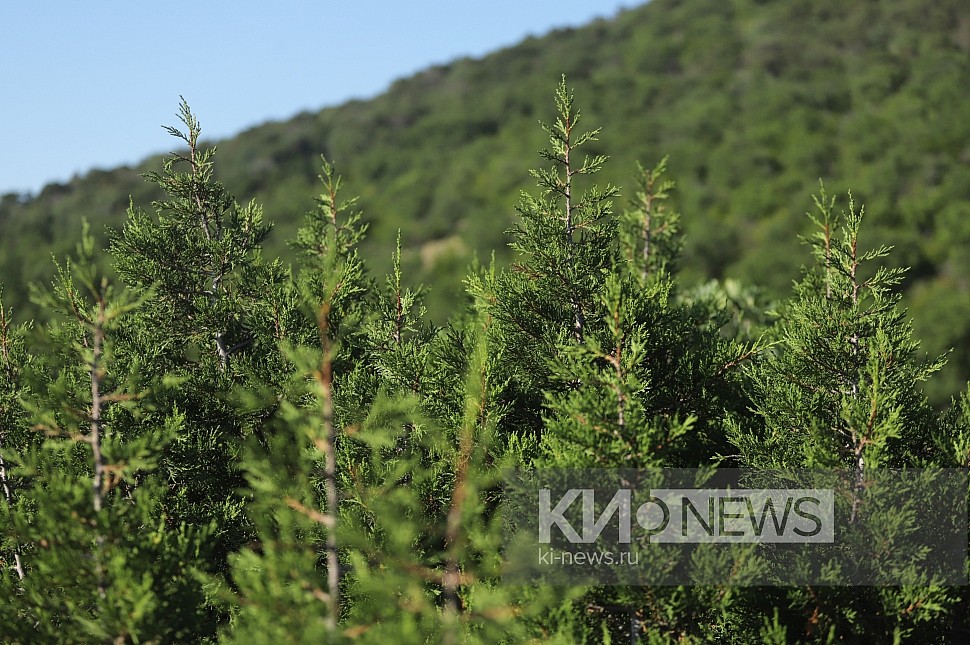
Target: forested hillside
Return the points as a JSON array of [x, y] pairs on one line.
[[753, 102]]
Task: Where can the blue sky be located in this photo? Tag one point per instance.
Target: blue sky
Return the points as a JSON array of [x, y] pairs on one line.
[[88, 84]]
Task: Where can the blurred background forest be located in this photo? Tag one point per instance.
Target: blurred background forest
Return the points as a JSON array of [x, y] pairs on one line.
[[753, 101]]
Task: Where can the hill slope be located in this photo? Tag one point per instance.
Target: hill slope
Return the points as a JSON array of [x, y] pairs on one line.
[[753, 101]]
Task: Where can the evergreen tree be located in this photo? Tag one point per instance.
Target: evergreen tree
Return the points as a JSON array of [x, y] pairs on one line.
[[215, 317], [842, 390], [287, 592], [565, 241], [14, 433], [228, 450], [650, 232], [376, 498], [100, 561], [618, 373], [587, 317], [843, 386]]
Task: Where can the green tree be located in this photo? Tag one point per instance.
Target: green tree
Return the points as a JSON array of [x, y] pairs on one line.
[[843, 390], [604, 361], [100, 561], [214, 320], [843, 386], [376, 498], [565, 239], [14, 434], [231, 450]]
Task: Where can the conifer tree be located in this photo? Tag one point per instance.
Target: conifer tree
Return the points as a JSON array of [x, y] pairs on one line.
[[589, 286], [842, 390], [102, 564], [201, 249], [376, 498], [843, 387], [14, 434], [215, 318], [565, 241], [226, 450], [288, 590], [649, 380], [649, 232]]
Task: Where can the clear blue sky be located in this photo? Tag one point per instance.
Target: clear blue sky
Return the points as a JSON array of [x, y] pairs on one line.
[[88, 84]]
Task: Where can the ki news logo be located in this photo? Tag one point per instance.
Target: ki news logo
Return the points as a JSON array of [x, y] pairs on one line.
[[690, 515]]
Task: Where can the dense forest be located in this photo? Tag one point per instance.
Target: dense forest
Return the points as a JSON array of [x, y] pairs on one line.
[[753, 102], [243, 404]]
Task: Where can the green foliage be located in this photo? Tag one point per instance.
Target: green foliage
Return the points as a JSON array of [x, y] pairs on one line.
[[414, 457], [649, 233], [841, 389], [200, 249], [843, 386], [100, 560], [228, 449], [752, 101], [565, 239], [213, 320], [14, 435]]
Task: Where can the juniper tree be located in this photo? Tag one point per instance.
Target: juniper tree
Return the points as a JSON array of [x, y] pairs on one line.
[[428, 570], [375, 442], [331, 288], [842, 389], [200, 248], [587, 285], [565, 243], [608, 420], [647, 381], [287, 589], [373, 499], [102, 562], [650, 232], [215, 318], [14, 434]]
